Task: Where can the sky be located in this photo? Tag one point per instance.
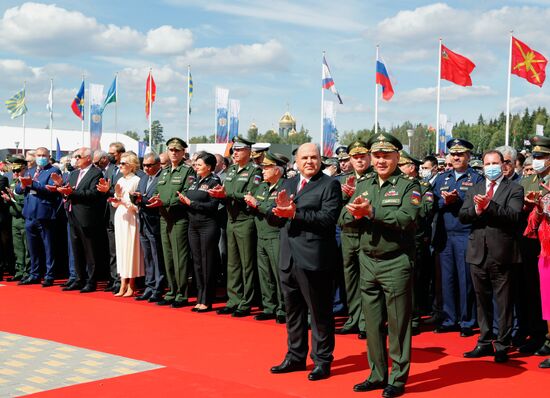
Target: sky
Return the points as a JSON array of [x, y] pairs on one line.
[[268, 54]]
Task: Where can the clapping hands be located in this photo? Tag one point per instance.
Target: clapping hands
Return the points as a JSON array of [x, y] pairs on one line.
[[360, 207], [284, 205]]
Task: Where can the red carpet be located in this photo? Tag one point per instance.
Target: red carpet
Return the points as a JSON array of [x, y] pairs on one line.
[[207, 355]]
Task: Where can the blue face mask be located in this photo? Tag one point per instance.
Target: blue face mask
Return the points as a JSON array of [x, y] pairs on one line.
[[493, 171], [41, 162]]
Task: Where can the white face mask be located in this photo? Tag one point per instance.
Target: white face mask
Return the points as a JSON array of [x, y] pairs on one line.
[[425, 173], [73, 162], [539, 165]]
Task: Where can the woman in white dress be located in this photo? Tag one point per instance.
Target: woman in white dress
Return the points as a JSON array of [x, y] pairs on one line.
[[128, 255]]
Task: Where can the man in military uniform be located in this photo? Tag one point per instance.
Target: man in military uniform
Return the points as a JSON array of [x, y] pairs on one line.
[[350, 239], [451, 239], [387, 206], [268, 238], [422, 261], [174, 222], [258, 153], [343, 158], [243, 177]]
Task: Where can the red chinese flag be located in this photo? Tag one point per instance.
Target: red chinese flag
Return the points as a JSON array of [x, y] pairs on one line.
[[455, 67], [528, 63], [150, 94]]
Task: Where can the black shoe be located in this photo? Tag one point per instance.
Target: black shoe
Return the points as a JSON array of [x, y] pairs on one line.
[[362, 335], [73, 286], [543, 351], [144, 296], [116, 288], [392, 391], [109, 288], [47, 283], [179, 304], [14, 278], [154, 298], [264, 317], [545, 364], [225, 311], [202, 310], [369, 386], [240, 313], [531, 346], [29, 281], [319, 372], [165, 302], [69, 282], [445, 329], [344, 330], [88, 289], [281, 319], [480, 351], [466, 332], [501, 356], [288, 366]]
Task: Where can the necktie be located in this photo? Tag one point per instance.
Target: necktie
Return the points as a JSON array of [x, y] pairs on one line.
[[302, 185], [491, 190], [35, 177], [80, 175], [149, 182]]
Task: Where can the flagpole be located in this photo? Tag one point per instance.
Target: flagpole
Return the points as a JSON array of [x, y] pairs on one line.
[[83, 108], [438, 100], [188, 103], [116, 106], [376, 94], [507, 133], [150, 109], [25, 91], [51, 117], [322, 104]]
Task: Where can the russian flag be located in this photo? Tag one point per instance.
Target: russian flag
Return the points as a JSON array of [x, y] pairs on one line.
[[327, 81], [383, 79]]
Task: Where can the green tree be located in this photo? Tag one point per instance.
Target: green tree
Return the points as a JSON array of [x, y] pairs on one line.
[[253, 133], [269, 136], [132, 134], [201, 139], [301, 137], [157, 136]]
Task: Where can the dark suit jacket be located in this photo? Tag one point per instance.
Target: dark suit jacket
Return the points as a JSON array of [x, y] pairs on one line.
[[309, 240], [148, 217], [40, 204], [495, 230], [86, 202], [4, 206]]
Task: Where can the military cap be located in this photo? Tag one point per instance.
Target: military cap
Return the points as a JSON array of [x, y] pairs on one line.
[[17, 164], [177, 143], [240, 142], [341, 153], [458, 145], [357, 148], [329, 161], [384, 142], [541, 145], [271, 159], [476, 164], [258, 149], [406, 158], [282, 157]]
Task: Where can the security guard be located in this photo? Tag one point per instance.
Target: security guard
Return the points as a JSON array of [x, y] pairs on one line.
[[451, 238], [174, 222], [268, 238], [422, 261], [387, 206], [243, 177], [350, 238]]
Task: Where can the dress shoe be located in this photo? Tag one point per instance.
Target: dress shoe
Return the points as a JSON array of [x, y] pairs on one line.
[[179, 304], [543, 351], [350, 330], [225, 311], [29, 281], [116, 288], [445, 329], [202, 310], [14, 278], [194, 309], [501, 356], [319, 372], [264, 317], [530, 346], [73, 286], [480, 351], [144, 296], [240, 313], [369, 386], [154, 298], [281, 319], [165, 302], [392, 391], [88, 289], [545, 364], [288, 366], [466, 332], [109, 288], [47, 283], [362, 335], [68, 282]]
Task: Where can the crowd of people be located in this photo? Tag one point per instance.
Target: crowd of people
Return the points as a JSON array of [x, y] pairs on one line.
[[393, 242]]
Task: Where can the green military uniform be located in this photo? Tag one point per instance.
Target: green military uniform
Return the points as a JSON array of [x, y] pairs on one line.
[[174, 225], [22, 258], [241, 233], [268, 243], [387, 249], [350, 241]]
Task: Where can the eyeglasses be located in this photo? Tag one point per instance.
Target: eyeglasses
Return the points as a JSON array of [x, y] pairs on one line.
[[77, 157], [149, 164], [123, 163], [507, 161]]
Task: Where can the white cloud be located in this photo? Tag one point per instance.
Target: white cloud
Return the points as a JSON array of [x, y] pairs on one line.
[[531, 101], [448, 93], [168, 40]]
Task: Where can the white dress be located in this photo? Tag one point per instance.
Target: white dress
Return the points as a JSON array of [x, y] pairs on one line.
[[129, 261]]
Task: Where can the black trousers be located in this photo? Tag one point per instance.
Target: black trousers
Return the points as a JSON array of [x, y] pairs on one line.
[[204, 236], [311, 291], [87, 251]]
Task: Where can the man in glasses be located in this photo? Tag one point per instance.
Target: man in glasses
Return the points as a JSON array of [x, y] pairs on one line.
[[509, 164]]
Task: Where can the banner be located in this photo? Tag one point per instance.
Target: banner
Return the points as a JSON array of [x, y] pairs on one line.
[[96, 110], [329, 128], [234, 108], [142, 149], [445, 133], [222, 99]]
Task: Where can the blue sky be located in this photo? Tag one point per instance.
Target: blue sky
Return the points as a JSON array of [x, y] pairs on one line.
[[268, 54]]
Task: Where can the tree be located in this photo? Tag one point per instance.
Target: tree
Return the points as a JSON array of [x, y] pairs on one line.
[[270, 136], [202, 139], [253, 133], [157, 130], [301, 137], [132, 134]]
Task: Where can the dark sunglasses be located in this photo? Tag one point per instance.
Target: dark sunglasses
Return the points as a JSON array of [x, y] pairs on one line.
[[148, 164]]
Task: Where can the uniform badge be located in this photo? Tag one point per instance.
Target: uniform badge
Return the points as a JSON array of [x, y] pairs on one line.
[[415, 198], [204, 187], [191, 179], [392, 192], [244, 175], [467, 184], [257, 179], [429, 196]]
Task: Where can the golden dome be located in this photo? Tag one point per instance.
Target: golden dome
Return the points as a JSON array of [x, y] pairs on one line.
[[253, 126], [292, 132], [287, 118]]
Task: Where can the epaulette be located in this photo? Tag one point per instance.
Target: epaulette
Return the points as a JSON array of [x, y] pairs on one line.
[[424, 183]]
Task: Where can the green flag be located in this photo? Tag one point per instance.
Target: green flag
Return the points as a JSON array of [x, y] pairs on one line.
[[16, 105], [111, 94]]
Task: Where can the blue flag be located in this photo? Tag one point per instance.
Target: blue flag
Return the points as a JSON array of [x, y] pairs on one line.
[[57, 151]]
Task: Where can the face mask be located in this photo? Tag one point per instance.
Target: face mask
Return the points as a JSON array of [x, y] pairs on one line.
[[539, 165], [111, 159], [425, 173], [73, 162], [492, 172], [41, 162]]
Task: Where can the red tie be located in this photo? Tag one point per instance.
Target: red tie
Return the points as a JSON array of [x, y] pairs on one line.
[[302, 185], [491, 190]]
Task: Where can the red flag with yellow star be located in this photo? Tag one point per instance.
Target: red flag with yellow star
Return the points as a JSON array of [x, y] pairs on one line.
[[528, 63], [456, 68]]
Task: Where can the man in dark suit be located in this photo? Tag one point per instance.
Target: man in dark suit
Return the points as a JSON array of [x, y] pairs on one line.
[[306, 261], [40, 209], [6, 246], [493, 207], [149, 231], [85, 207]]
